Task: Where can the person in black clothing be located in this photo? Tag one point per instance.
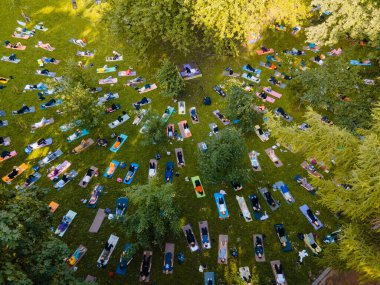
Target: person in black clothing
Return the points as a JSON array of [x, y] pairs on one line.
[[255, 203], [312, 217], [180, 158], [14, 173], [269, 199], [23, 109], [1, 140], [145, 267], [190, 237], [5, 154], [41, 141]]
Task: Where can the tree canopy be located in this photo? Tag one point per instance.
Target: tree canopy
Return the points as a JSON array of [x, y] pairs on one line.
[[222, 162], [338, 89], [156, 213], [170, 81], [356, 163], [239, 106], [358, 19], [30, 254], [154, 132]]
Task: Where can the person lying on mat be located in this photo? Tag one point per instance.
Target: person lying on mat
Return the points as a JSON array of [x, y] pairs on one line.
[[313, 219], [286, 77], [41, 141], [31, 178], [88, 176], [280, 279], [145, 267], [130, 173], [259, 250], [222, 117], [1, 123], [269, 198], [210, 281], [14, 172], [106, 252], [24, 109], [186, 128], [282, 237], [250, 68], [274, 80], [168, 262], [205, 240], [180, 158], [223, 251], [116, 55], [152, 165], [170, 131], [5, 154], [255, 203], [120, 209], [198, 187], [78, 132], [120, 118], [194, 115], [263, 95], [190, 237], [264, 49], [222, 205]]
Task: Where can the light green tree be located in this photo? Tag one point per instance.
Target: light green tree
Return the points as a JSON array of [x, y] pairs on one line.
[[154, 130], [359, 19], [80, 105], [170, 81]]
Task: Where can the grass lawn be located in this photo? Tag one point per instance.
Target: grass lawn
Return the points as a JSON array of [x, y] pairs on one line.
[[65, 23]]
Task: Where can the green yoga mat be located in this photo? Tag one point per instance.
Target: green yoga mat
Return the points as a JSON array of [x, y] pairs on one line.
[[193, 179]]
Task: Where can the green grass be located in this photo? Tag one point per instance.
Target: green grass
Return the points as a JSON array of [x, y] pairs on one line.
[[64, 23]]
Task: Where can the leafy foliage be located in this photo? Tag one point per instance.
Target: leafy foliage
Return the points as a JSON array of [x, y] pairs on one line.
[[239, 106], [155, 130], [341, 90], [149, 23], [358, 19], [357, 164], [81, 105], [30, 254], [169, 79], [156, 213], [222, 162]]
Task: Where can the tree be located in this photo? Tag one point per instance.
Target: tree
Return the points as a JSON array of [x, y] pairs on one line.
[[169, 79], [226, 24], [81, 105], [357, 164], [339, 90], [329, 145], [154, 130], [149, 23], [358, 19], [157, 214], [222, 162], [30, 254], [239, 106]]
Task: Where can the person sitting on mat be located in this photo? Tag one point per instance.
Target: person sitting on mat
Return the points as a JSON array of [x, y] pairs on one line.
[[14, 172], [5, 154], [280, 279], [145, 267], [12, 57], [270, 199], [313, 219], [190, 237], [259, 250], [24, 109], [180, 158]]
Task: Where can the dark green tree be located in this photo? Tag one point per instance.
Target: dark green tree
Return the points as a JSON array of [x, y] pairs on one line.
[[338, 89], [239, 106], [170, 81], [29, 252], [222, 162], [156, 213], [154, 130]]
